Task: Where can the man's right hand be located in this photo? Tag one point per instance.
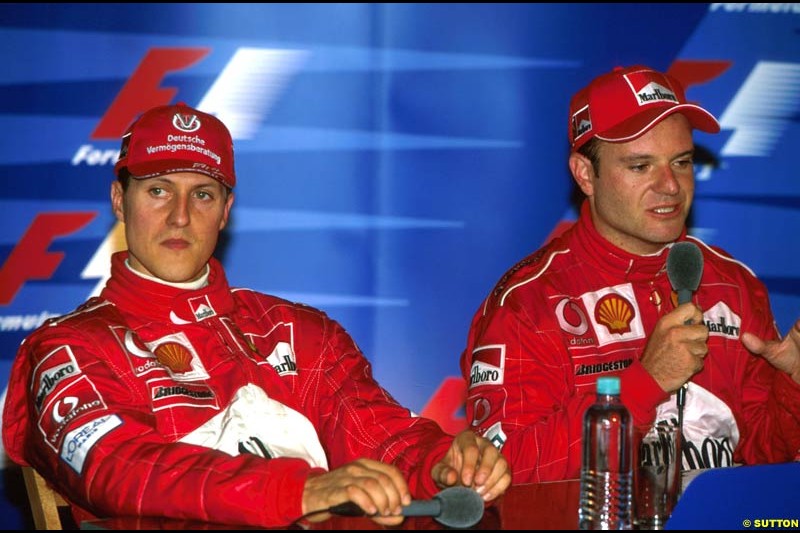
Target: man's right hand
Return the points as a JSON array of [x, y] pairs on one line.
[[379, 489], [677, 347]]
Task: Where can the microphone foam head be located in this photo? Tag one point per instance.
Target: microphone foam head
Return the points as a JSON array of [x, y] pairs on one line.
[[685, 266], [462, 507]]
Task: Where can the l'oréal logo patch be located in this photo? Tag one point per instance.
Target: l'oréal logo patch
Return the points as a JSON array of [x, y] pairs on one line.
[[80, 441], [722, 321]]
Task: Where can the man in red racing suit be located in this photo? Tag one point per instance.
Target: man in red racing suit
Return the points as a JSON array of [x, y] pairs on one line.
[[598, 302], [174, 395]]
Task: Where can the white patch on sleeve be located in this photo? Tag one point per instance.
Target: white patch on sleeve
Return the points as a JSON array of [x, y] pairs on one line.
[[78, 442], [488, 365], [495, 435]]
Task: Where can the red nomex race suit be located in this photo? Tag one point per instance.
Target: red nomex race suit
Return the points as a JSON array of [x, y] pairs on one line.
[[580, 308], [143, 401]]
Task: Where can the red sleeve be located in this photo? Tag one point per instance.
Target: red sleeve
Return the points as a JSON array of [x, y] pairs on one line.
[[86, 437], [361, 419], [528, 405], [641, 393], [770, 431]]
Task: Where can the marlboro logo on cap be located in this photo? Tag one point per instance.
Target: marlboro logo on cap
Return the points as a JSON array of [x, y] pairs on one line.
[[624, 104]]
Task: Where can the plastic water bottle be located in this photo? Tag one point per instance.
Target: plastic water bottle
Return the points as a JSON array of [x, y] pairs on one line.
[[607, 468]]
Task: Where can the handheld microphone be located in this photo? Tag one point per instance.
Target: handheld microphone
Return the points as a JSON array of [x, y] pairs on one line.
[[684, 270], [456, 507]]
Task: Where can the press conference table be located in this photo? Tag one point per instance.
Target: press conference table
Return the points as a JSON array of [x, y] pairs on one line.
[[739, 497], [526, 506]]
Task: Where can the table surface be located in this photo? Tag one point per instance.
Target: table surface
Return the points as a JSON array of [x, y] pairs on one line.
[[554, 505], [525, 506]]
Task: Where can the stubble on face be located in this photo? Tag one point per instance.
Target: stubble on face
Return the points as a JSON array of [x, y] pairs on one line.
[[642, 194]]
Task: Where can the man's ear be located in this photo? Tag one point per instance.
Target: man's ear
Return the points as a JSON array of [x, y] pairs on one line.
[[117, 196], [227, 212], [582, 172]]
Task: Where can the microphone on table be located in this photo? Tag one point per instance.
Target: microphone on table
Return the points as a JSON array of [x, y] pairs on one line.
[[456, 507], [684, 270]]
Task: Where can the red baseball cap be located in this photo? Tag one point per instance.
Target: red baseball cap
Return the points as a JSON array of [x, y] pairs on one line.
[[623, 104], [177, 138]]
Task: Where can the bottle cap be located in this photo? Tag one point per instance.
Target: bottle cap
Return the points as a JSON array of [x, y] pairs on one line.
[[608, 385]]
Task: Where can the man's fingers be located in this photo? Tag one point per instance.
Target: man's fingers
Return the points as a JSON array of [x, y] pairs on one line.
[[753, 343], [378, 489], [688, 313], [498, 477]]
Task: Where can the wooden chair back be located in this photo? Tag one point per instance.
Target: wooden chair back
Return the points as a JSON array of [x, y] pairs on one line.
[[44, 501]]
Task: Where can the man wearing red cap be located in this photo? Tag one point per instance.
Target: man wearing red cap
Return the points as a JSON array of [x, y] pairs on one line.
[[173, 395], [597, 301]]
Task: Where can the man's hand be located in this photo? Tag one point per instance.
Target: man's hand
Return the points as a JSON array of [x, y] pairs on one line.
[[472, 461], [379, 489], [783, 355], [677, 347]]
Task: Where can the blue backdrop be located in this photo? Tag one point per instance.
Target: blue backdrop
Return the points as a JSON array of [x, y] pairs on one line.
[[393, 159]]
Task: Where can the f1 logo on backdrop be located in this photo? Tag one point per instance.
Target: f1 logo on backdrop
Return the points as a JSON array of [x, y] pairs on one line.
[[30, 258], [143, 89], [241, 95]]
